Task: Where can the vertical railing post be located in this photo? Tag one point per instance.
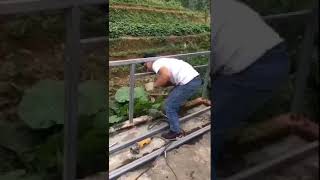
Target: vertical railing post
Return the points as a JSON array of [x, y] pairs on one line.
[[304, 63], [72, 56], [131, 95], [206, 81]]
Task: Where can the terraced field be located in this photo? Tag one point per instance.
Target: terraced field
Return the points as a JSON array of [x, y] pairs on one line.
[[162, 27]]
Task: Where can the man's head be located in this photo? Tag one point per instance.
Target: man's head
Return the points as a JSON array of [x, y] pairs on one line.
[[148, 65]]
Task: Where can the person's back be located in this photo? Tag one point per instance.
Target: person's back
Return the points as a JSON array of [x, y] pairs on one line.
[[250, 62], [181, 71], [186, 81], [240, 36]]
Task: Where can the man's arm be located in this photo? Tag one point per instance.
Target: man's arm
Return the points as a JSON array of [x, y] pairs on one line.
[[163, 78]]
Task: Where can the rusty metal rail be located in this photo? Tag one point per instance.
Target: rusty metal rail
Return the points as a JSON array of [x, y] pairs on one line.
[[292, 156]]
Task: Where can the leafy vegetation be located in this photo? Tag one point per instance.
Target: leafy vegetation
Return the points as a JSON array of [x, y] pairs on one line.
[[47, 97], [133, 16], [119, 105], [154, 3], [170, 48], [37, 140], [161, 29]]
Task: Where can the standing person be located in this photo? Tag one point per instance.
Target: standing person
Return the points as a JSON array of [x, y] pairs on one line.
[[186, 82], [249, 62]]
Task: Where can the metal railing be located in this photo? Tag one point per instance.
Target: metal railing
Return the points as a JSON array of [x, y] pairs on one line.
[[134, 75], [71, 10]]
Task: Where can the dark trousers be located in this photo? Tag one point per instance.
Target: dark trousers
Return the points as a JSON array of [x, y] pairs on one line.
[[179, 95], [235, 97]]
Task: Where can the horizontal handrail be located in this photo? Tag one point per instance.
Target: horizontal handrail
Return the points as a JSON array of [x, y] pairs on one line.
[[151, 73], [142, 60], [27, 6], [287, 15]]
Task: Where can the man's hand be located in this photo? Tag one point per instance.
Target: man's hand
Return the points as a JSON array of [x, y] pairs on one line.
[[149, 86]]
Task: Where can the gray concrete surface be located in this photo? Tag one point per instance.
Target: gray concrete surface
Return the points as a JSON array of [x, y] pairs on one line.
[[189, 162]]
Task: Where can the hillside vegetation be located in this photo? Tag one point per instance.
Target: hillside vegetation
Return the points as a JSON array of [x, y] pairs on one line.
[[164, 26]]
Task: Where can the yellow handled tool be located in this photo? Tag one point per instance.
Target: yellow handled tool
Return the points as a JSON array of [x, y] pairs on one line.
[[135, 149]]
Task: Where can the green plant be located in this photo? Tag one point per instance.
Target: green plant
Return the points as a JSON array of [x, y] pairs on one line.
[[47, 97], [44, 98], [119, 29], [37, 140], [151, 3], [133, 16], [119, 107]]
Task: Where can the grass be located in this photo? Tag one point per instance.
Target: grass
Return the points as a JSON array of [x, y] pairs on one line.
[[144, 43], [174, 4], [120, 29], [133, 16], [169, 49]]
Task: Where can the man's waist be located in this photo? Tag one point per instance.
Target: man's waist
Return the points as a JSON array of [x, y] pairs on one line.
[[184, 82]]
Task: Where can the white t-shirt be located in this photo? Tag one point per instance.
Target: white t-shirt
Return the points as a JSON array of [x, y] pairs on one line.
[[181, 72], [240, 36]]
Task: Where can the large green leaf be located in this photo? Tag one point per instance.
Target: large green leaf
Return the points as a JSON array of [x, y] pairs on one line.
[[122, 95], [91, 99], [140, 93], [42, 106], [156, 106], [114, 119]]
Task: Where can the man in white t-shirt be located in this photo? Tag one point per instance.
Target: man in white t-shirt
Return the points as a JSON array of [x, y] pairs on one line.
[[184, 77], [249, 63]]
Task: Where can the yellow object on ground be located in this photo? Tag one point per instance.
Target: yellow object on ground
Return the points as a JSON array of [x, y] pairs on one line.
[[135, 149]]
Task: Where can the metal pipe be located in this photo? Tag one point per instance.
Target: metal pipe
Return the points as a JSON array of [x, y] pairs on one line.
[[142, 60], [131, 95], [72, 73], [118, 172], [28, 6], [154, 131], [206, 81], [287, 15], [139, 75], [304, 63], [101, 39], [294, 155]]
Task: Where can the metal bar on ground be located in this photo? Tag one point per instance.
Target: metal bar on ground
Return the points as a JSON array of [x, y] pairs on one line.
[[142, 60], [118, 172], [131, 95], [304, 63], [72, 69], [118, 147], [289, 157]]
